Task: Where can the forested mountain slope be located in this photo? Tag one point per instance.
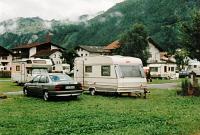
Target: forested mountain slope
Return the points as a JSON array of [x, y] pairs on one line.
[[161, 18]]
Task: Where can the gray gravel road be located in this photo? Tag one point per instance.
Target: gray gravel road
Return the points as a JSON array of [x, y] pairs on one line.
[[163, 86]]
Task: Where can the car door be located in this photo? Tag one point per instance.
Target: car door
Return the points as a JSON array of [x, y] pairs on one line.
[[33, 86], [43, 84]]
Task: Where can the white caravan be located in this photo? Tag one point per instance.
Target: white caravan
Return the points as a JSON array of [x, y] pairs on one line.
[[116, 74], [194, 66], [24, 70], [163, 70]]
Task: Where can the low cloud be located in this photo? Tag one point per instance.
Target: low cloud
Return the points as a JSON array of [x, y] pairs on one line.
[[53, 9]]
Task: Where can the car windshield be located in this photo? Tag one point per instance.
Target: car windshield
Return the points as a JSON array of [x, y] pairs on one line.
[[58, 78], [131, 71]]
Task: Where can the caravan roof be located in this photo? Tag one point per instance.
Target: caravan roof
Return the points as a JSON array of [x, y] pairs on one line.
[[117, 59]]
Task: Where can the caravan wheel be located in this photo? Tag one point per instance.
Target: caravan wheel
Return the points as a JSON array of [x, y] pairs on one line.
[[92, 92]]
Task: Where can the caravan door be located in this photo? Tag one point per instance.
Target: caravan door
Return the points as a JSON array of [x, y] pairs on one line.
[[79, 71], [23, 73]]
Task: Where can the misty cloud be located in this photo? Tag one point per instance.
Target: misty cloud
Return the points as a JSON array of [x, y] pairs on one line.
[[52, 9]]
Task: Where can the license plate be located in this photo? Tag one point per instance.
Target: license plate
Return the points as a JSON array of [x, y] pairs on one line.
[[69, 87]]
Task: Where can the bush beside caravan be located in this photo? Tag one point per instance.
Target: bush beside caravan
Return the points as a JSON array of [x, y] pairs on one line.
[[116, 74]]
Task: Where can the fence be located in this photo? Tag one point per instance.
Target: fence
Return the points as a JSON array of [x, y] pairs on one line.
[[5, 74]]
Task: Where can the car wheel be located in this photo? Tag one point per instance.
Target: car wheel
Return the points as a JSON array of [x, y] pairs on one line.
[[25, 92], [92, 92], [46, 96]]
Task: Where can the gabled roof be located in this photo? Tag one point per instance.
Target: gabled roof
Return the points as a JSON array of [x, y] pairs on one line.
[[93, 49], [113, 45], [4, 51], [28, 46], [150, 40], [45, 53]]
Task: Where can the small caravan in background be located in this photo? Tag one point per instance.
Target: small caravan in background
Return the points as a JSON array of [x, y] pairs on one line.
[[194, 66], [163, 70], [116, 74], [24, 70]]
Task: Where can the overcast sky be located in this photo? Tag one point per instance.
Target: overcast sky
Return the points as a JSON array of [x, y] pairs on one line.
[[52, 9]]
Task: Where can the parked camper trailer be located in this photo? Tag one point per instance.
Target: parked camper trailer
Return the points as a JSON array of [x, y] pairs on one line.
[[24, 70], [163, 70], [194, 66], [116, 74]]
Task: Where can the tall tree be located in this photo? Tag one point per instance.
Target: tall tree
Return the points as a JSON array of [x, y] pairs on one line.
[[134, 43], [181, 56], [69, 57], [191, 35]]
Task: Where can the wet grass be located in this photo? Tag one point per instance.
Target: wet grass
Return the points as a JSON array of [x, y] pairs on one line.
[[162, 113], [8, 86]]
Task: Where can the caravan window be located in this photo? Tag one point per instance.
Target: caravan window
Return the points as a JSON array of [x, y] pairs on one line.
[[131, 71], [88, 69], [105, 70], [154, 69], [39, 71], [165, 68]]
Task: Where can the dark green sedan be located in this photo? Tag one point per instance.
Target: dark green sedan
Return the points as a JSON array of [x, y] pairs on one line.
[[52, 85]]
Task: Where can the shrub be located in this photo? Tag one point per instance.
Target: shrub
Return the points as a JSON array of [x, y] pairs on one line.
[[188, 88]]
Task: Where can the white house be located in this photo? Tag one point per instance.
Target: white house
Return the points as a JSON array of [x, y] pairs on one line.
[[5, 59], [84, 50], [46, 50], [161, 65]]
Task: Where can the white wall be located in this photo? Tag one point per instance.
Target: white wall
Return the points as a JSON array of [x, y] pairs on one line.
[[54, 47], [82, 52], [8, 62], [155, 54], [56, 57], [32, 51]]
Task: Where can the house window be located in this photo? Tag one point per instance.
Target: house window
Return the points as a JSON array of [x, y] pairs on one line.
[[88, 69], [81, 54], [17, 68], [168, 68], [195, 66], [86, 54], [172, 69], [105, 70]]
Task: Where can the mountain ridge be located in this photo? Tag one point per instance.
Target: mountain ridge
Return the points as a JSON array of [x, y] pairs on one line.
[[161, 18]]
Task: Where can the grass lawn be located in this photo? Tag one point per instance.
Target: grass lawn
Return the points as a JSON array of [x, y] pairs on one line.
[[8, 86], [162, 113], [5, 79]]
